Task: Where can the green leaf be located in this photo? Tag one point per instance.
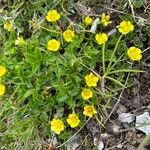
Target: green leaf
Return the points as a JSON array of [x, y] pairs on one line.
[[90, 52], [37, 55], [62, 98], [35, 68], [27, 94], [108, 55], [138, 3], [64, 135], [71, 102], [35, 60], [29, 58], [76, 43], [50, 57]]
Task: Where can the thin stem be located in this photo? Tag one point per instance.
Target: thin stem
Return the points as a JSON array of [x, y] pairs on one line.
[[125, 70], [103, 57], [118, 60], [87, 67], [118, 101], [50, 30], [62, 5], [132, 9], [100, 123], [103, 62], [73, 135], [102, 81], [145, 49], [116, 81], [144, 143], [112, 56], [132, 128]]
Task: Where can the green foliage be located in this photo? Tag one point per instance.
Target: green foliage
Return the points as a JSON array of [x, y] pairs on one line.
[[42, 85], [138, 3]]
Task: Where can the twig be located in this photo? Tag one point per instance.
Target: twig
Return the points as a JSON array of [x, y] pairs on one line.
[[145, 49], [116, 145], [73, 135], [83, 141], [122, 12]]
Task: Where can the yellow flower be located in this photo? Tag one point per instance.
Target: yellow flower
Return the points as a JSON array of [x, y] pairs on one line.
[[8, 26], [2, 89], [73, 120], [57, 125], [88, 20], [101, 38], [89, 110], [53, 45], [2, 70], [105, 19], [134, 53], [91, 79], [20, 41], [86, 94], [52, 16], [125, 27], [68, 35]]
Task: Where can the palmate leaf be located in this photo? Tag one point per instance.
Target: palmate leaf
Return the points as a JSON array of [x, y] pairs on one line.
[[90, 52]]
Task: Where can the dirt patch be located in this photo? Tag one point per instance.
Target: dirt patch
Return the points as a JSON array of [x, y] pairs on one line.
[[135, 99]]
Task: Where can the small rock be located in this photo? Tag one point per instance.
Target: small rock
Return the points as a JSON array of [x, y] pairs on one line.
[[126, 118], [95, 141], [112, 128], [94, 25], [119, 146], [143, 123], [100, 145]]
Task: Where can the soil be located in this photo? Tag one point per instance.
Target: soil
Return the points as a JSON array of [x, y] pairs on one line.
[[135, 99]]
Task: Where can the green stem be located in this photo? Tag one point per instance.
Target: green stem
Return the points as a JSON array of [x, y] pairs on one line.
[[107, 104], [53, 31], [100, 123], [72, 135], [118, 60], [103, 62], [103, 57], [103, 84], [144, 143], [124, 70], [116, 81], [112, 56]]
